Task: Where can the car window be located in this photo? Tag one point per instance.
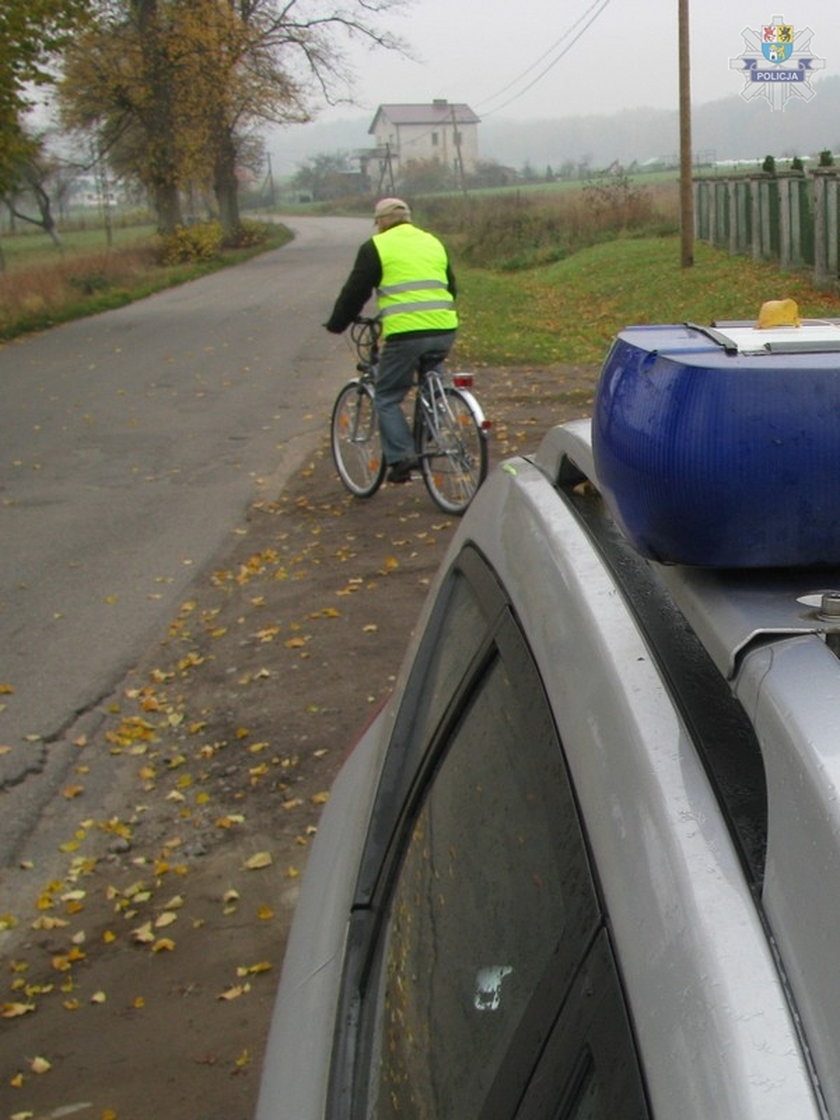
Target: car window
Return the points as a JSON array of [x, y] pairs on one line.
[[491, 909], [457, 634], [588, 1069]]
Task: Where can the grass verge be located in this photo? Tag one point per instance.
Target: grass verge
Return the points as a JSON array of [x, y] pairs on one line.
[[45, 294], [565, 312], [570, 311]]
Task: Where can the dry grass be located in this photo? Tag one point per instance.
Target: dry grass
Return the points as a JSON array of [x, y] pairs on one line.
[[520, 230], [49, 291], [40, 292]]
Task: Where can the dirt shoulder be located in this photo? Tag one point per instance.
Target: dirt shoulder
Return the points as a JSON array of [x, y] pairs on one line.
[[140, 967]]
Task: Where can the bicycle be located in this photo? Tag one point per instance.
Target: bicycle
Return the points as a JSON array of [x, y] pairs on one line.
[[450, 431]]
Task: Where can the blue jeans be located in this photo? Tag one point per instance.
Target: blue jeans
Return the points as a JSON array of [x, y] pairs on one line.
[[394, 377]]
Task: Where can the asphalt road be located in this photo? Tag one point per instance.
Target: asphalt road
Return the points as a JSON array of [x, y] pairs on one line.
[[131, 444]]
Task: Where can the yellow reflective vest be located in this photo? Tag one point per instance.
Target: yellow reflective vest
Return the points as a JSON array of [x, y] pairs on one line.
[[413, 293]]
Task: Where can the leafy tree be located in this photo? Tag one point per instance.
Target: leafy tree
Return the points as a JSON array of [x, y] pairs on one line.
[[527, 172], [490, 173], [177, 87], [124, 77], [425, 176], [324, 176], [31, 32]]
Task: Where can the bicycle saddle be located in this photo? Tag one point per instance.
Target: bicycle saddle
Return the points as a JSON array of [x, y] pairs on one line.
[[430, 360]]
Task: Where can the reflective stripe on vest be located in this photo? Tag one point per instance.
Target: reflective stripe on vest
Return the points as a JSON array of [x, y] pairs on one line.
[[413, 293]]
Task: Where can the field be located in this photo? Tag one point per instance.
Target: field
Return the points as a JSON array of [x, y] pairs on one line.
[[544, 276]]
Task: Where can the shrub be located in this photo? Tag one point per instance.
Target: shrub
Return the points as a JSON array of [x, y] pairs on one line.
[[248, 234], [90, 283], [616, 203], [201, 242]]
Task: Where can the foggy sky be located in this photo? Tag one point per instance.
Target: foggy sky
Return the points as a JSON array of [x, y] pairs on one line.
[[485, 52]]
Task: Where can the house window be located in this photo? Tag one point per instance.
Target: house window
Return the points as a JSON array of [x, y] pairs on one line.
[[434, 139]]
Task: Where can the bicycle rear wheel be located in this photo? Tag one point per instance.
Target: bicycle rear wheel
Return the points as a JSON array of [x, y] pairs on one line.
[[453, 451], [356, 445]]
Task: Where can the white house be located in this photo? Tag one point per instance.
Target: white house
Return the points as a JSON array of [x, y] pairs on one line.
[[444, 130]]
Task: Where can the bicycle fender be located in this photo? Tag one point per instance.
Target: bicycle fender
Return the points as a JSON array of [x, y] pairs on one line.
[[475, 408]]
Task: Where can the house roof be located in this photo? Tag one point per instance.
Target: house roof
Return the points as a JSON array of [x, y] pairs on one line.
[[437, 112]]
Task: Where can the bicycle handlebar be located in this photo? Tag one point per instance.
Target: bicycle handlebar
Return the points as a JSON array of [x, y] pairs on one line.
[[364, 334]]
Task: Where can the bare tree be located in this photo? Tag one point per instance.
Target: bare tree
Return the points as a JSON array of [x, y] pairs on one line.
[[37, 176]]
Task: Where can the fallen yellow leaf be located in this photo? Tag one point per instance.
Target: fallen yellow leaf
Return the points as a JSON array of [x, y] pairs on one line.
[[40, 1065], [233, 993], [229, 820], [15, 1010], [143, 933], [254, 969], [258, 860]]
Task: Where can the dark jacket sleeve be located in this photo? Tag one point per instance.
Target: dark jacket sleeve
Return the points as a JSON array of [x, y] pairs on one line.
[[450, 281], [365, 275]]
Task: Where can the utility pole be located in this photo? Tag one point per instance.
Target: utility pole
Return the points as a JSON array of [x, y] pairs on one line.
[[686, 189], [459, 161], [386, 167], [271, 198]]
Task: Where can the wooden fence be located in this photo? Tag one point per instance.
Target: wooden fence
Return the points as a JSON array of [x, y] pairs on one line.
[[792, 218]]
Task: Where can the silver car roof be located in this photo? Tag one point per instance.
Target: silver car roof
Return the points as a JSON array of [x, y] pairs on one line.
[[773, 635]]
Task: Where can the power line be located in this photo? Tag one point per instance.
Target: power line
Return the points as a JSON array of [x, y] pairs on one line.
[[544, 55], [590, 12]]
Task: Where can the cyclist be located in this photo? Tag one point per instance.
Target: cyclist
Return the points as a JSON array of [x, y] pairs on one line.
[[415, 287]]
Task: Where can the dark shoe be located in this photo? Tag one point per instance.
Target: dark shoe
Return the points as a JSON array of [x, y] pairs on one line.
[[401, 471]]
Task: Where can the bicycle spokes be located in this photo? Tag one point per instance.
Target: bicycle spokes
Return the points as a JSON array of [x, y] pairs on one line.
[[453, 446], [356, 446]]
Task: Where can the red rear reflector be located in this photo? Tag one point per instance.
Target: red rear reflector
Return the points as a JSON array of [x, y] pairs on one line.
[[486, 425], [462, 380]]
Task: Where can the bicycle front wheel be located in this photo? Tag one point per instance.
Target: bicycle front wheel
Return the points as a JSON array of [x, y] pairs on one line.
[[453, 451], [356, 445]]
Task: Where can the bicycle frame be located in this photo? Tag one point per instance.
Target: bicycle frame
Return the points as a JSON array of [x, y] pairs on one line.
[[431, 401], [449, 427]]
